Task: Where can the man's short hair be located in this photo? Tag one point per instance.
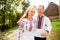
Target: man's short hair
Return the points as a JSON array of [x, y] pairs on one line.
[[42, 6]]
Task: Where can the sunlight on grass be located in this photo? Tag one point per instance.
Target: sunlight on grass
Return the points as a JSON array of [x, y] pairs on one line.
[[56, 29]]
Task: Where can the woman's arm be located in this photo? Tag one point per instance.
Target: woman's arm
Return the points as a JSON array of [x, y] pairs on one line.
[[20, 30], [21, 19]]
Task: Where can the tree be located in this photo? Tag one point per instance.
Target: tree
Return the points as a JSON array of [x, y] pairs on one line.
[[6, 11], [2, 10], [9, 13], [25, 4]]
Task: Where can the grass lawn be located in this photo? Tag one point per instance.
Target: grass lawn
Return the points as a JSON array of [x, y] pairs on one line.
[[55, 30]]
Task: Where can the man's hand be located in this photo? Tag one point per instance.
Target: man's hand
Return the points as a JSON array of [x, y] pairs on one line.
[[44, 33]]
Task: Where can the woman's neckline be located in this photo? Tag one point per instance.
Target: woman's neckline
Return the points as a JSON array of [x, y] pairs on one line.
[[28, 19]]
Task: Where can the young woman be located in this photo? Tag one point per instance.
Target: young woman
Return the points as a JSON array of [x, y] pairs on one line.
[[26, 25]]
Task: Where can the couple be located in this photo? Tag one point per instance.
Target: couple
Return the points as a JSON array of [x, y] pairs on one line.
[[33, 28]]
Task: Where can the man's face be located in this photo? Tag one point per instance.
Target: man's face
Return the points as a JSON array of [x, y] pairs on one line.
[[40, 10]]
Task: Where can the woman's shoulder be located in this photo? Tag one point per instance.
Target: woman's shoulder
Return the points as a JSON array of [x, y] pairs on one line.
[[24, 20]]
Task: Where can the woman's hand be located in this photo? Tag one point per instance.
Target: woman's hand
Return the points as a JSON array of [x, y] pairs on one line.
[[19, 21]]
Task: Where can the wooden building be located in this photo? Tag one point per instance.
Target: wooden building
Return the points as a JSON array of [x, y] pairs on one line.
[[52, 11]]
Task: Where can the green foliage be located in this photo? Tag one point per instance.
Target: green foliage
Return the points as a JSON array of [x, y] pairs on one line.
[[25, 4], [9, 14]]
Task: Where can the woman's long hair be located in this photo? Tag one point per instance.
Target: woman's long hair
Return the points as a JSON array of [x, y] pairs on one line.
[[25, 15]]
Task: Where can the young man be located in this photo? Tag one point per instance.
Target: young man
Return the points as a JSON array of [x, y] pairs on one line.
[[43, 25]]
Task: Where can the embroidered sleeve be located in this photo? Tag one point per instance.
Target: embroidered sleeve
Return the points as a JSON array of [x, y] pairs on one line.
[[21, 25], [20, 30], [18, 34], [48, 24]]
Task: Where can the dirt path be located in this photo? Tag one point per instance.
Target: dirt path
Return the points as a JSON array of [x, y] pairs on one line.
[[11, 35]]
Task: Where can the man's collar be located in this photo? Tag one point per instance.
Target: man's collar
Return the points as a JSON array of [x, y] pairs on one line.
[[41, 16]]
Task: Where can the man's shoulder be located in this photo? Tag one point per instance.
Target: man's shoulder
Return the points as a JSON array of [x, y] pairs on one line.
[[47, 18]]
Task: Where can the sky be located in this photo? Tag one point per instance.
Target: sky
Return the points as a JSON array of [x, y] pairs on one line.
[[43, 2]]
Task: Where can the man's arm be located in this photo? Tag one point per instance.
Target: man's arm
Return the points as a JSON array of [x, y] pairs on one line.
[[48, 24], [48, 28]]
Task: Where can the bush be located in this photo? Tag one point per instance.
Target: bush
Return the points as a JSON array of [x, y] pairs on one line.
[[4, 27]]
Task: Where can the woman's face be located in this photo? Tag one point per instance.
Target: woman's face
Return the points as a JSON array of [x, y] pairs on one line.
[[31, 11]]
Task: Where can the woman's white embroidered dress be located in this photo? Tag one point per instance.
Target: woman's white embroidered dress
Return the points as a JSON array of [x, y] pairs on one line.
[[26, 30]]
